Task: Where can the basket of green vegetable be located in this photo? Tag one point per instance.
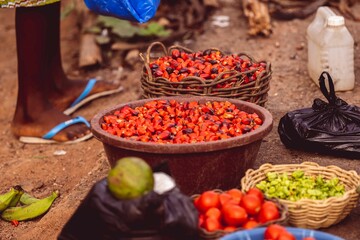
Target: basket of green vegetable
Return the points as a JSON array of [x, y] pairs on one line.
[[316, 196]]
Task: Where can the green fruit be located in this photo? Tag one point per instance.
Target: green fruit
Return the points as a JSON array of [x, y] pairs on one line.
[[30, 211], [130, 178], [7, 198], [27, 199]]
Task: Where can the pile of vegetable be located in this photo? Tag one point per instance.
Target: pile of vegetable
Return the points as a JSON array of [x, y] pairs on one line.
[[297, 185], [234, 209]]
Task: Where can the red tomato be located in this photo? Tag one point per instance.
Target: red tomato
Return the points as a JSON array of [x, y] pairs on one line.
[[224, 198], [286, 236], [201, 220], [251, 203], [269, 204], [234, 215], [208, 200], [196, 201], [230, 228], [273, 231], [267, 214], [214, 213], [257, 192], [236, 194], [250, 224], [212, 224]]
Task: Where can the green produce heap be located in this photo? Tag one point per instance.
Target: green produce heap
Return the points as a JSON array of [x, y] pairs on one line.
[[297, 185]]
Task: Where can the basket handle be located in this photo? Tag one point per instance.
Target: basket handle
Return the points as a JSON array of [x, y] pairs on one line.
[[185, 49], [248, 56], [146, 59], [213, 50], [151, 46]]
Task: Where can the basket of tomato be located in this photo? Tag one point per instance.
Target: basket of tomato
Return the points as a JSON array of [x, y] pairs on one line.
[[182, 71], [316, 196], [223, 212]]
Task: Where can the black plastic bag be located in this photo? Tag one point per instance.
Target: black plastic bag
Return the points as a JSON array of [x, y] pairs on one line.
[[170, 215], [331, 128]]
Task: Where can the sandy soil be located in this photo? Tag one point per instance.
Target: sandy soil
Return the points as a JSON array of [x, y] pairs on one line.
[[40, 171]]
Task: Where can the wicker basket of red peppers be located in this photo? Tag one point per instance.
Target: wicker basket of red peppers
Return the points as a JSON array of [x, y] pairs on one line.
[[181, 71]]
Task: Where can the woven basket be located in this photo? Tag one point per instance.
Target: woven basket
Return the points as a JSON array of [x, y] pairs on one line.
[[284, 215], [307, 213], [254, 91]]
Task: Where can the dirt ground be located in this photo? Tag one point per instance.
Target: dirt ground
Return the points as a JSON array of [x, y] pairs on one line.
[[40, 171]]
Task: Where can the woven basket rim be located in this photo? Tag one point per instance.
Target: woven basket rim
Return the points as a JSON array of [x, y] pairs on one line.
[[166, 51], [255, 91], [310, 213], [270, 167]]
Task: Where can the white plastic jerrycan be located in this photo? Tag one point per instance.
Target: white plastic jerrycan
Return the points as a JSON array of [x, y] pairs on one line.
[[331, 49]]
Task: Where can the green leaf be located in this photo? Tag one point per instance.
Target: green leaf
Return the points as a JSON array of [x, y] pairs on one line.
[[102, 40], [121, 28], [67, 10], [164, 33], [108, 21], [125, 30], [94, 30], [154, 29]]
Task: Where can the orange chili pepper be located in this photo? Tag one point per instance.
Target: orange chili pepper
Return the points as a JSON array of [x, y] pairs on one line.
[[15, 223]]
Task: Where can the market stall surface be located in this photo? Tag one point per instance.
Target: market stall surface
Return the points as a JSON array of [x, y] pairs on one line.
[[73, 169]]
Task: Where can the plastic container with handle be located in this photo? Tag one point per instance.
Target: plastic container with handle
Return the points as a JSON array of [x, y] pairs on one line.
[[331, 49]]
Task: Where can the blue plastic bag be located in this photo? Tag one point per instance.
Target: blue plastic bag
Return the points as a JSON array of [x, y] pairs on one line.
[[133, 10]]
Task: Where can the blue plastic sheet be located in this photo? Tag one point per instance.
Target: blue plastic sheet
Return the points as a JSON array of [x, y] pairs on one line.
[[132, 10]]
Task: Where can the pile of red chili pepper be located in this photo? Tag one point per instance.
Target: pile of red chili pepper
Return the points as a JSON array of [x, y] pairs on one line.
[[207, 65], [171, 121]]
